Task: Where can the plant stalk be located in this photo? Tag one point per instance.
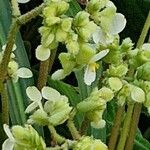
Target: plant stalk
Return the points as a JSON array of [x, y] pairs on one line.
[[126, 127], [115, 129]]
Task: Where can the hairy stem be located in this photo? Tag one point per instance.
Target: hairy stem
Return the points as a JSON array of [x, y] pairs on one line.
[[74, 132], [43, 73], [55, 136], [126, 126], [115, 128], [133, 126]]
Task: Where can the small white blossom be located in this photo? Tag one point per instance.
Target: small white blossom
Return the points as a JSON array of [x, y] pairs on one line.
[[90, 71], [23, 1], [117, 25], [8, 143]]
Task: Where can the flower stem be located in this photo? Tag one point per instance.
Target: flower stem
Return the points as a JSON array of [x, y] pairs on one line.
[[4, 99], [115, 128], [74, 132], [133, 126], [126, 126], [55, 136], [144, 31], [43, 72]]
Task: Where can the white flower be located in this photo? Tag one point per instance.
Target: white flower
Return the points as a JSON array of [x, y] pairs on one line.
[[117, 25], [23, 1], [8, 143], [42, 53], [35, 96], [90, 71]]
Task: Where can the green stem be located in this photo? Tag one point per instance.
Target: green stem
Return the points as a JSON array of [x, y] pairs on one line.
[[115, 129], [74, 132], [133, 126], [15, 8], [55, 136], [4, 99], [126, 126], [144, 31]]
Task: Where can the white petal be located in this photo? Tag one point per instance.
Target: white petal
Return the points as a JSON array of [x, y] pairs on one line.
[[58, 75], [100, 55], [42, 53], [118, 24], [146, 47], [137, 94], [50, 93], [99, 36], [89, 76], [24, 73], [8, 132], [8, 145], [23, 1], [31, 107], [33, 93]]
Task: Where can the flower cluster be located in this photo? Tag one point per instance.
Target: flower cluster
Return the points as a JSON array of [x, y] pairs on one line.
[[95, 105], [55, 110], [13, 69]]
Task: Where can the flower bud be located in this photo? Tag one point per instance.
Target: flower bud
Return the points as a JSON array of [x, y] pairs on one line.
[[126, 45], [88, 143], [62, 8], [143, 72], [81, 19], [61, 35], [66, 24]]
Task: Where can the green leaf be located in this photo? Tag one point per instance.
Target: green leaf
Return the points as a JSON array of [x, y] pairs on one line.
[[74, 8], [141, 143]]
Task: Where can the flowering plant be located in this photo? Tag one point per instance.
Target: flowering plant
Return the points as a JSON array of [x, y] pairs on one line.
[[40, 110]]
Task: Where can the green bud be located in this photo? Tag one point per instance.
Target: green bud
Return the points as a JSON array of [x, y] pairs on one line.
[[50, 11], [62, 7], [67, 62], [27, 138], [52, 20], [81, 19], [85, 54], [117, 71], [143, 72], [72, 47], [39, 117], [115, 83], [88, 143], [106, 93], [126, 45], [61, 35], [66, 24]]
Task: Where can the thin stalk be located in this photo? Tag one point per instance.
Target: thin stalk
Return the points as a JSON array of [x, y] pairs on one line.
[[115, 129], [43, 73], [4, 100], [133, 126], [74, 132], [84, 126], [137, 108], [126, 126], [55, 136], [144, 31], [15, 8]]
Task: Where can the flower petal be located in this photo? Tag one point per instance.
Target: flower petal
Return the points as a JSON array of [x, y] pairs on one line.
[[13, 49], [31, 107], [146, 46], [118, 24], [42, 53], [8, 132], [99, 36], [58, 75], [99, 56], [89, 76], [8, 145], [33, 93], [137, 94], [24, 73], [23, 1], [50, 93]]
